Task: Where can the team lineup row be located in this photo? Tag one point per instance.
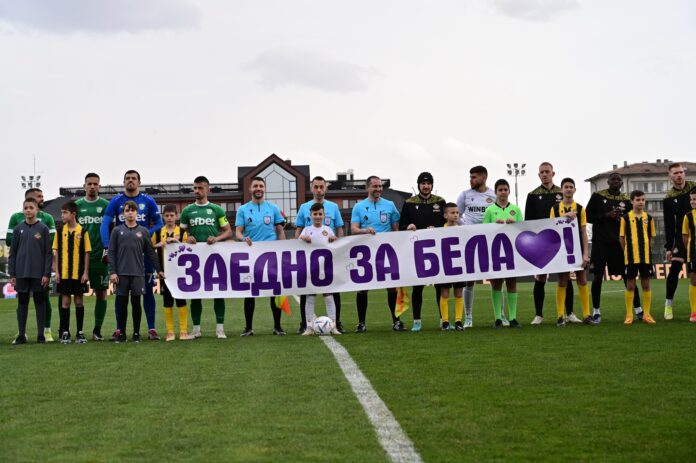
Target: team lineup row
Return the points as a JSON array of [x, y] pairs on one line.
[[118, 242]]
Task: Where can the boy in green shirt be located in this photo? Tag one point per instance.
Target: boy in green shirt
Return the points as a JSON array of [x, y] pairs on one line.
[[502, 211]]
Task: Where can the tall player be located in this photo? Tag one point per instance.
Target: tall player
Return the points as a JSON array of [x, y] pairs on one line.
[[148, 216], [46, 218], [604, 212], [332, 219], [425, 210], [539, 203], [472, 204], [90, 213], [675, 207], [205, 222]]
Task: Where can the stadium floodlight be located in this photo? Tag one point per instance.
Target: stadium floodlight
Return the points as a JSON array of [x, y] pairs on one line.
[[516, 170]]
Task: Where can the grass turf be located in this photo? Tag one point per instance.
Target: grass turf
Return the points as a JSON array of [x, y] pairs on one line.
[[580, 393]]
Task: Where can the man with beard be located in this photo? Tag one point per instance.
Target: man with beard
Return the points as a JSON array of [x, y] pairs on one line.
[[604, 212], [425, 210], [148, 216], [47, 219], [333, 219]]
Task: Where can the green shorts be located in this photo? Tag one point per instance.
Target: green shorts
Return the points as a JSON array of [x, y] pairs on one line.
[[98, 275]]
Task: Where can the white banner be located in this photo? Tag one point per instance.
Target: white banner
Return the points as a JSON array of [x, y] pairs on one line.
[[387, 260]]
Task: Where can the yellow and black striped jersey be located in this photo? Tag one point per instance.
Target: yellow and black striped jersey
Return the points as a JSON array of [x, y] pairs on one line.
[[689, 230], [70, 247], [162, 235], [637, 232]]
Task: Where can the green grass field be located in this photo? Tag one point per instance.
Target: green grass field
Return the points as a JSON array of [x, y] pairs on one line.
[[581, 393]]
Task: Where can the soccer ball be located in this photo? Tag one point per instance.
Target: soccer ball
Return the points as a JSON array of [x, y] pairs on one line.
[[322, 326]]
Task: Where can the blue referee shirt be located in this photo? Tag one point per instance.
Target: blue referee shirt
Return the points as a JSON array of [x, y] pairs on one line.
[[379, 215], [259, 220], [332, 215]]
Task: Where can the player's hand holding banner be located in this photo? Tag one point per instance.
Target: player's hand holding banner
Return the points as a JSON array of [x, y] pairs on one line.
[[398, 259]]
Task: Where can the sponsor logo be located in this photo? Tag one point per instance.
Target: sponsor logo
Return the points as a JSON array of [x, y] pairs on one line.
[[89, 220], [436, 207], [139, 234], [138, 218], [489, 200], [201, 221], [383, 217], [325, 233], [558, 197], [37, 235], [513, 213], [267, 219]]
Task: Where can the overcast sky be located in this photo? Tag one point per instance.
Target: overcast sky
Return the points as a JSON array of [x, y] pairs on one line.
[[178, 88]]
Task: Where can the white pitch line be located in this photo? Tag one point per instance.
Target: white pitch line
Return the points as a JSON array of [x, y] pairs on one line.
[[391, 437]]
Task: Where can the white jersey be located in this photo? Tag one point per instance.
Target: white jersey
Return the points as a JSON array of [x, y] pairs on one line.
[[318, 234], [472, 205]]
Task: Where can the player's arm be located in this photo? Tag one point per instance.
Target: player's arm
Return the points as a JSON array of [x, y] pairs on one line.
[[151, 255], [461, 201], [594, 209], [56, 264], [395, 217], [338, 223], [12, 259], [10, 230], [405, 220], [48, 258], [155, 216], [279, 231], [585, 252], [112, 250], [529, 207], [299, 222], [686, 232], [107, 220], [51, 224], [225, 234], [88, 252], [669, 219], [622, 233]]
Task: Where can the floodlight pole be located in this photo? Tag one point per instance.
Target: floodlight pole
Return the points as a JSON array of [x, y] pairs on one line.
[[516, 170], [33, 181]]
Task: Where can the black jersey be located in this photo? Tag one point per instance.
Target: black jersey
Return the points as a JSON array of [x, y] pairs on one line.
[[423, 213], [675, 207], [540, 201], [602, 202]]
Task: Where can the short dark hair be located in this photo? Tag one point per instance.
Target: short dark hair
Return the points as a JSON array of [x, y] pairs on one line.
[[32, 190], [499, 182], [258, 179], [636, 193], [69, 206], [31, 200], [131, 172], [693, 191], [169, 208], [546, 163], [201, 179], [92, 174], [478, 170], [319, 178], [567, 180], [449, 206], [614, 174], [673, 165], [317, 207], [128, 205], [370, 179]]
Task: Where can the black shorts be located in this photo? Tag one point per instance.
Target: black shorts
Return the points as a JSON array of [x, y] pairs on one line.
[[71, 288], [455, 285], [607, 254], [167, 298], [645, 271], [691, 267], [679, 250], [29, 285], [130, 285]]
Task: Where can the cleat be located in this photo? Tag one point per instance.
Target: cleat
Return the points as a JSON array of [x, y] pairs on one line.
[[308, 332], [537, 320], [196, 333], [572, 318], [398, 326], [220, 333], [445, 326], [498, 323], [41, 339], [335, 331], [668, 312], [648, 319], [303, 327], [468, 322], [597, 318], [515, 324], [97, 336], [589, 321], [628, 320], [135, 337], [19, 340], [339, 327], [416, 326], [361, 328], [278, 331], [80, 338], [560, 323], [65, 338], [118, 337], [152, 335], [692, 318], [640, 315], [458, 325], [184, 336], [247, 332], [170, 336], [504, 320], [47, 335]]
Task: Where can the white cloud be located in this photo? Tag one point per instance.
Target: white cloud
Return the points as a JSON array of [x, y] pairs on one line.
[[104, 16], [279, 67], [533, 10]]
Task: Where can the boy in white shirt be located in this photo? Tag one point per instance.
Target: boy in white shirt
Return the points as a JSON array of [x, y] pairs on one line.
[[320, 234]]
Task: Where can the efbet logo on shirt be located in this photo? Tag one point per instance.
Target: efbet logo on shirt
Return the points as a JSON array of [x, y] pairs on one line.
[[88, 220], [201, 221], [138, 218]]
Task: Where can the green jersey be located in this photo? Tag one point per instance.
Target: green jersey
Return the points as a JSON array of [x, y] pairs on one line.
[[202, 221], [89, 215], [18, 217], [494, 213]]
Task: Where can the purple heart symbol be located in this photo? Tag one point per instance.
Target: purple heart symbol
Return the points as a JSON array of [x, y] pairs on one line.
[[538, 248]]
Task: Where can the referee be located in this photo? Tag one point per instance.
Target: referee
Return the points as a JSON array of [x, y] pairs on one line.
[[425, 210], [604, 212]]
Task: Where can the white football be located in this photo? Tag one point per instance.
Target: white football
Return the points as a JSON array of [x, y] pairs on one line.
[[322, 326]]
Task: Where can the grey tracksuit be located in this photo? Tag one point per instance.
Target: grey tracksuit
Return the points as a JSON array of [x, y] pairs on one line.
[[126, 249]]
